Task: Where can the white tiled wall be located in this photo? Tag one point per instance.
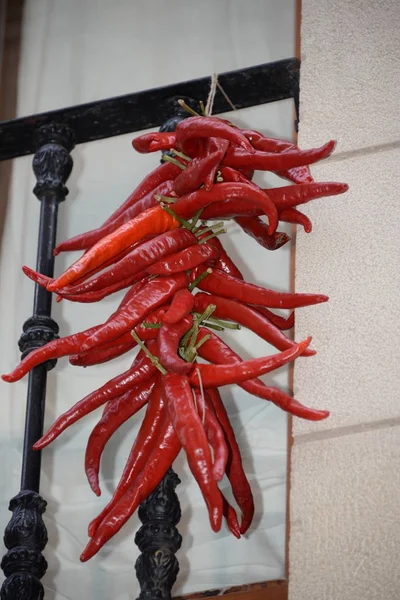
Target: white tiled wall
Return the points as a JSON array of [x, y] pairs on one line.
[[345, 495]]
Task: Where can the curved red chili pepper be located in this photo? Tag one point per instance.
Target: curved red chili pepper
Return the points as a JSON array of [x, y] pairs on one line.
[[292, 195], [181, 305], [206, 127], [264, 161], [216, 351], [148, 433], [117, 411], [155, 293], [165, 451], [188, 205], [240, 486], [215, 434], [258, 230], [190, 431], [141, 369], [186, 259], [139, 259], [162, 173], [291, 215], [231, 518], [196, 173], [152, 221], [246, 316], [227, 286], [84, 241], [169, 337], [151, 142], [281, 322], [211, 376]]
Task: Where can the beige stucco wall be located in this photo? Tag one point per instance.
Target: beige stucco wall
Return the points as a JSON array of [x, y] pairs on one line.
[[345, 494]]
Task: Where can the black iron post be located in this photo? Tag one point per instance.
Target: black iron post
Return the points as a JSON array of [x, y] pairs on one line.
[[25, 535]]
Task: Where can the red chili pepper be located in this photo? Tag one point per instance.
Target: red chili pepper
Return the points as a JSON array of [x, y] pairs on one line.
[[155, 293], [219, 375], [181, 305], [186, 259], [291, 215], [280, 322], [117, 411], [215, 434], [206, 127], [216, 351], [178, 397], [86, 240], [152, 222], [258, 230], [140, 371], [227, 286], [168, 345], [165, 451], [196, 173], [240, 486], [247, 317], [231, 517], [264, 161], [225, 263], [102, 355], [124, 343], [139, 454], [152, 142], [139, 259], [219, 146], [162, 173], [188, 205], [293, 195]]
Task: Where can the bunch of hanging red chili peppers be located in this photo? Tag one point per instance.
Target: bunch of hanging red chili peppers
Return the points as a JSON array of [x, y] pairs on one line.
[[159, 246]]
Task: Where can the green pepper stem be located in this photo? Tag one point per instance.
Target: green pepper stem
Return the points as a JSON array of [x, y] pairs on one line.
[[202, 108], [210, 228], [195, 219], [213, 235], [166, 199], [188, 108], [180, 154], [169, 210], [171, 159], [151, 325], [225, 324], [198, 279], [153, 359], [203, 341], [212, 326]]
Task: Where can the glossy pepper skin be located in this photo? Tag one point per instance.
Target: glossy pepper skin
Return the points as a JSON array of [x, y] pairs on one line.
[[214, 432], [155, 293], [168, 344], [224, 285], [139, 454], [240, 486], [141, 370], [216, 351], [86, 240], [258, 230], [139, 259], [178, 397], [211, 376], [186, 259], [265, 161], [189, 204], [117, 411], [206, 127], [165, 451], [182, 304], [152, 222], [246, 316]]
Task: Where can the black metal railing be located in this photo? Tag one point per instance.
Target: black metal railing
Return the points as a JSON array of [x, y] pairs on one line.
[[51, 137]]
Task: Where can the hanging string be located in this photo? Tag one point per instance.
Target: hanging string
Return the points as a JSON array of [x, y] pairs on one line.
[[211, 95]]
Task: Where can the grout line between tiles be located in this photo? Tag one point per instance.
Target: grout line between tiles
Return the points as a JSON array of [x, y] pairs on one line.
[[366, 151], [338, 432]]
